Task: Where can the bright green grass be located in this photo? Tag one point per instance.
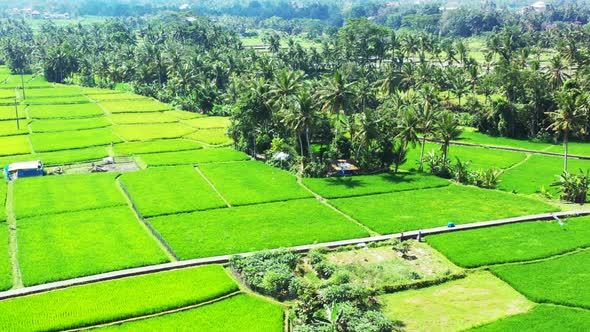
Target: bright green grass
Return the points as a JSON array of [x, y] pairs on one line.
[[470, 135], [5, 267], [253, 182], [419, 209], [183, 115], [41, 126], [574, 148], [54, 92], [167, 145], [59, 157], [70, 245], [125, 96], [193, 157], [146, 132], [210, 136], [114, 300], [480, 158], [166, 190], [244, 313], [57, 100], [478, 299], [3, 189], [66, 193], [64, 111], [537, 172], [372, 184], [9, 128], [135, 118], [97, 91], [252, 228], [513, 243], [562, 280], [10, 145], [542, 318], [208, 122], [9, 113], [135, 106], [7, 94], [46, 142]]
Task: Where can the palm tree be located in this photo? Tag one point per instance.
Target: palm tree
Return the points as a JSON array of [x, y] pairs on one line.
[[556, 72], [285, 88], [447, 129], [300, 118], [426, 116], [566, 118], [336, 95]]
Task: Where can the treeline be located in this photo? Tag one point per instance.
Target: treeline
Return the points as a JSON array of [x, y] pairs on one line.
[[369, 93]]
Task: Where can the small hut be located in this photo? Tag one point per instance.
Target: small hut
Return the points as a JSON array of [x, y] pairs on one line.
[[24, 169], [344, 167]]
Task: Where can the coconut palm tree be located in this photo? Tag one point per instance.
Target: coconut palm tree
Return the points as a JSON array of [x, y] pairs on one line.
[[447, 129], [336, 95]]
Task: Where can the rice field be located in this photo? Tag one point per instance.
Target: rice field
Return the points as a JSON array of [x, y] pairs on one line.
[[134, 106], [10, 113], [5, 266], [157, 146], [210, 136], [141, 118], [44, 126], [193, 157], [146, 132], [541, 318], [209, 122], [13, 145], [55, 141], [10, 128], [64, 111]]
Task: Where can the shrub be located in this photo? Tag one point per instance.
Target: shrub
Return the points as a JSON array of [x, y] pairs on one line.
[[574, 187], [438, 165]]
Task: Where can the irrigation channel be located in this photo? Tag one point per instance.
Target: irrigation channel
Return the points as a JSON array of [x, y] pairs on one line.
[[303, 248]]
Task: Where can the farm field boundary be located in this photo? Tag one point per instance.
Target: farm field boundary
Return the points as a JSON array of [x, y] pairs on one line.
[[303, 248]]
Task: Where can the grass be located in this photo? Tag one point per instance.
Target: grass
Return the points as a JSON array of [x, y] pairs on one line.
[[125, 149], [42, 126], [57, 100], [166, 190], [193, 157], [471, 135], [136, 118], [209, 122], [183, 115], [574, 148], [538, 172], [64, 111], [513, 243], [46, 142], [97, 91], [9, 128], [541, 318], [479, 298], [252, 228], [248, 314], [3, 190], [146, 132], [125, 96], [372, 184], [420, 209], [562, 280], [70, 245], [135, 106], [253, 182], [114, 300], [68, 193], [5, 267], [54, 92], [210, 136], [9, 113], [479, 158], [14, 145]]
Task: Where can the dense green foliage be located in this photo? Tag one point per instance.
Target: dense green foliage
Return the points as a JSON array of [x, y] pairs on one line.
[[513, 243], [559, 280], [167, 190], [241, 312], [253, 227], [114, 300], [418, 209], [68, 245]]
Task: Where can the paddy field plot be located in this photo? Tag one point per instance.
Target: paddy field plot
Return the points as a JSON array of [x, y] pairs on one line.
[[209, 122], [457, 305], [115, 300], [9, 128], [193, 157], [419, 209], [539, 171], [166, 145], [471, 135], [57, 92], [253, 227], [541, 318], [574, 148], [248, 314], [97, 91], [562, 280], [46, 142], [10, 113], [7, 94], [513, 243], [123, 96], [135, 106], [479, 158], [138, 118], [210, 136], [3, 190], [166, 190], [146, 132], [66, 193], [69, 245], [253, 182], [64, 111], [334, 187], [57, 100], [14, 145], [43, 126], [59, 157], [5, 266], [183, 115]]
